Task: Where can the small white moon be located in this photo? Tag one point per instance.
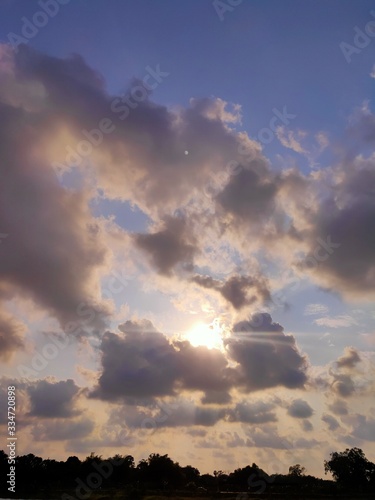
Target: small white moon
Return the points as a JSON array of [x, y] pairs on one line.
[[186, 152]]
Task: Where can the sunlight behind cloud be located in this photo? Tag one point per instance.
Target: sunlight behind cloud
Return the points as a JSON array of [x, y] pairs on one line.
[[208, 335]]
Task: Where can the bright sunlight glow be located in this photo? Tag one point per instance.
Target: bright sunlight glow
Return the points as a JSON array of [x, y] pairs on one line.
[[208, 335]]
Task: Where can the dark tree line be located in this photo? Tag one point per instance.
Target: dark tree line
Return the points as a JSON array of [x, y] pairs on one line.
[[79, 479]]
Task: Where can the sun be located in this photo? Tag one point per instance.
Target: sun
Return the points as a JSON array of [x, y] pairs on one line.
[[207, 335]]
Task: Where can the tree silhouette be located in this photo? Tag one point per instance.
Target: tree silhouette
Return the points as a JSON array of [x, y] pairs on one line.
[[160, 471], [119, 475], [351, 468], [297, 470]]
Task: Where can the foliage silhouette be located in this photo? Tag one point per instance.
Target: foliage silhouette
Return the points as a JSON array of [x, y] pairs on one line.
[[351, 469], [72, 479]]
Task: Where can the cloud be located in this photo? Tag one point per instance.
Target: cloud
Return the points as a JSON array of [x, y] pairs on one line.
[[22, 402], [349, 359], [62, 430], [363, 427], [336, 321], [257, 412], [338, 407], [217, 110], [266, 356], [344, 380], [233, 440], [322, 140], [53, 399], [290, 139], [208, 443], [239, 291], [307, 425], [169, 246], [314, 309], [306, 443], [250, 195], [144, 363], [343, 385], [11, 335], [143, 160], [341, 247], [197, 432], [147, 142], [163, 414], [330, 421], [300, 409], [267, 437], [55, 247]]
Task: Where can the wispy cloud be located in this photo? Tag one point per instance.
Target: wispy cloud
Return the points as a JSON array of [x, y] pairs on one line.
[[313, 309], [336, 321], [290, 139]]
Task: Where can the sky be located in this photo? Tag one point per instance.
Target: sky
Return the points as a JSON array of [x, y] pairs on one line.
[[187, 212]]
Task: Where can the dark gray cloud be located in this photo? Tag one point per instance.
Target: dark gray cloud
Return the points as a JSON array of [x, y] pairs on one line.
[[239, 291], [250, 195], [140, 363], [62, 430], [266, 356], [53, 399], [11, 336], [363, 427], [330, 421], [342, 384], [307, 426], [342, 247], [170, 246], [196, 432], [300, 409], [338, 407], [233, 440], [267, 437], [253, 413], [182, 414], [349, 359], [306, 443], [179, 412], [218, 397]]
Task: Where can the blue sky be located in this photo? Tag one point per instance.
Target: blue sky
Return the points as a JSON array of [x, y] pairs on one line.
[[201, 251]]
